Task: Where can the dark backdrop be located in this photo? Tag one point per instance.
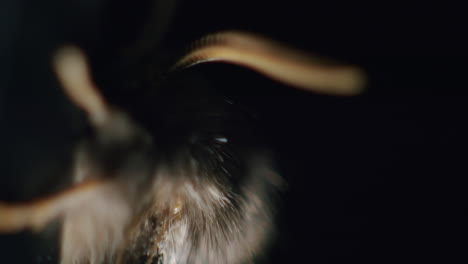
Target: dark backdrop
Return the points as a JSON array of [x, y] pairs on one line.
[[374, 179]]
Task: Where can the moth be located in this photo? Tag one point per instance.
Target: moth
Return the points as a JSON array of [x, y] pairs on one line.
[[179, 190]]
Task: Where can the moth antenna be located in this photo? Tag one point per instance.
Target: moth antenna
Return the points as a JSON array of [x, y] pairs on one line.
[[72, 69], [35, 215], [275, 61]]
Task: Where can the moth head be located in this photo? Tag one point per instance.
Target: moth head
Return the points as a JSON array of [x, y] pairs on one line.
[[120, 149]]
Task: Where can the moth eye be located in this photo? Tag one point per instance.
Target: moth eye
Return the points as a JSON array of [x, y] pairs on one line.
[[196, 138], [221, 139]]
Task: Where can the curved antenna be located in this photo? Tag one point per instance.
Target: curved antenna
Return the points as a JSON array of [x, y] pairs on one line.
[[275, 61], [73, 72], [36, 214]]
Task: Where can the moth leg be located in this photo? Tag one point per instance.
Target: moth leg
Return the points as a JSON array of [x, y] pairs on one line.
[[72, 70], [35, 215], [275, 61]]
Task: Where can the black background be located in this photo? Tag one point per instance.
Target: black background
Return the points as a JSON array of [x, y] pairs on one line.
[[378, 178]]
